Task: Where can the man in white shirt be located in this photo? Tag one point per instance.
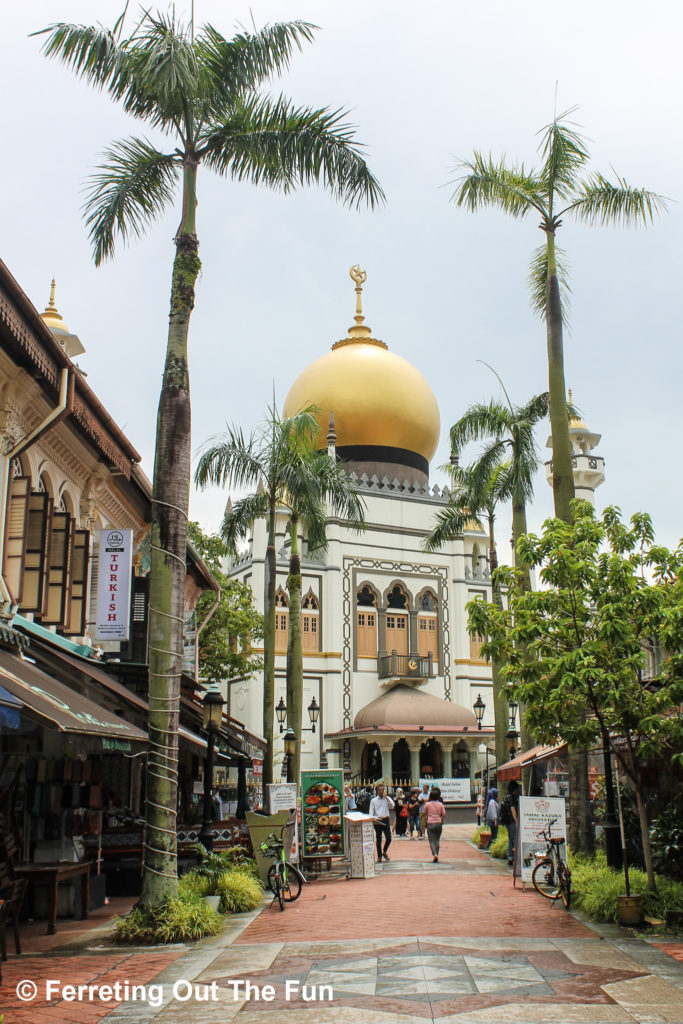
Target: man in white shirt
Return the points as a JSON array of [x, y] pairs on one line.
[[380, 808]]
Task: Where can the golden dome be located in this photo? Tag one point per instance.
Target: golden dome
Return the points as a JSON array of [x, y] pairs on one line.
[[378, 399], [575, 422]]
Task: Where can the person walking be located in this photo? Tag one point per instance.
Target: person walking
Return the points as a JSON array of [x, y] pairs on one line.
[[423, 798], [480, 807], [380, 808], [511, 804], [401, 813], [492, 816], [414, 812], [435, 812]]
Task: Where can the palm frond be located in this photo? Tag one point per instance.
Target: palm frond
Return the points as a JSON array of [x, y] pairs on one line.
[[238, 521], [535, 410], [128, 192], [487, 183], [538, 278], [231, 460], [164, 76], [480, 420], [564, 153], [90, 51], [273, 143], [602, 202], [451, 522], [249, 58]]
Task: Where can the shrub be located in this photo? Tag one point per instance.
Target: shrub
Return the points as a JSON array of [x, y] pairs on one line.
[[239, 892], [176, 920], [595, 888], [666, 839], [216, 863], [193, 886], [499, 848], [477, 833]]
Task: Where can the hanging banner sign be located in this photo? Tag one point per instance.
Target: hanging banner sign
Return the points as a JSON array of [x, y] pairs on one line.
[[453, 791], [113, 589], [323, 803], [535, 814]]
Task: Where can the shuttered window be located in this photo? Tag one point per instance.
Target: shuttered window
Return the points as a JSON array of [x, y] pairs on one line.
[[15, 536], [366, 633], [58, 569], [397, 633], [75, 616], [426, 636], [35, 551]]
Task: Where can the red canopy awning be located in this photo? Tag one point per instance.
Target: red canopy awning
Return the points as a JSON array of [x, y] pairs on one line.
[[512, 769]]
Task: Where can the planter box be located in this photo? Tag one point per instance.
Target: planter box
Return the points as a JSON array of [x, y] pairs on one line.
[[484, 838], [630, 909]]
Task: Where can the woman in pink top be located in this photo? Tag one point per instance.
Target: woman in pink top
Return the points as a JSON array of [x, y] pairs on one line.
[[435, 812]]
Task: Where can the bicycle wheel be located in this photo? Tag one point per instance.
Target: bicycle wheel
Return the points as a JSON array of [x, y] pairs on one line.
[[279, 889], [292, 883], [543, 878], [565, 884]]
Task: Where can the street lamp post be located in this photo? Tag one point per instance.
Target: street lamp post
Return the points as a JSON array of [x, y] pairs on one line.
[[479, 709], [212, 715], [290, 747], [290, 751], [512, 734]]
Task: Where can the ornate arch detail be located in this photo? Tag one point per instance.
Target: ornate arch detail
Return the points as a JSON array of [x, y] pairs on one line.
[[310, 601], [429, 589], [281, 598], [366, 585], [403, 588]]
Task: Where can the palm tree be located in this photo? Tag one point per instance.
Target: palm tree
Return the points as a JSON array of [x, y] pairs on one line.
[[323, 488], [280, 463], [202, 93], [476, 492], [554, 191]]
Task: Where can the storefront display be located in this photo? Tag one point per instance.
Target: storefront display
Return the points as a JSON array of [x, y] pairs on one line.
[[322, 803]]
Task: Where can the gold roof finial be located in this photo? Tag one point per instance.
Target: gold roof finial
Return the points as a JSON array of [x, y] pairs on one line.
[[51, 310], [359, 332]]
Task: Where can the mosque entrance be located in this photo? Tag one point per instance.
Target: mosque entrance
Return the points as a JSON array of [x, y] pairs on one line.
[[431, 759], [400, 763], [371, 762]]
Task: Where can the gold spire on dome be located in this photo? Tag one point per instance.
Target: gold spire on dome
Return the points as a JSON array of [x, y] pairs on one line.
[[575, 421], [51, 315], [359, 334]]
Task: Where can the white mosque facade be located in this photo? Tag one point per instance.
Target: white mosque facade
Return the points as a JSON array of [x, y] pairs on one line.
[[387, 654]]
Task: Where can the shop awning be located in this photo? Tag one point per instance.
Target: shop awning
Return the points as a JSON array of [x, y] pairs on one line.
[[66, 664], [50, 702], [512, 769]]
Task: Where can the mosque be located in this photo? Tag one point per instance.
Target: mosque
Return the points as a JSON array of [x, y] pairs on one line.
[[387, 654]]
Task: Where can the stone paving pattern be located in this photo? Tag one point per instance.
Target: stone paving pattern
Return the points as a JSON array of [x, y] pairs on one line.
[[455, 945]]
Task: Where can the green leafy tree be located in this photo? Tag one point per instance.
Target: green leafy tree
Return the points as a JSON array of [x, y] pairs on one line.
[[558, 189], [201, 92], [599, 650], [225, 642]]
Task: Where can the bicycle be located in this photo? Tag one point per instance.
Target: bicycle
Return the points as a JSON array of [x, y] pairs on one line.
[[284, 879], [551, 876]]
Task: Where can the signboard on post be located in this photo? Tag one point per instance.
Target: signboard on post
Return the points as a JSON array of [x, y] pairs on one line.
[[281, 796], [535, 814], [453, 791], [113, 588], [322, 801]]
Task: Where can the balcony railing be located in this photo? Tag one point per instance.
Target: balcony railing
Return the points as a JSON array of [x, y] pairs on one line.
[[405, 666]]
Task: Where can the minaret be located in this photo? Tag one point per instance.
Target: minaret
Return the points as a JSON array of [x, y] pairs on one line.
[[589, 469], [53, 319], [331, 438]]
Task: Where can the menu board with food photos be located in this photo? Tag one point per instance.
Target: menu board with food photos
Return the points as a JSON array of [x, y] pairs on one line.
[[323, 812]]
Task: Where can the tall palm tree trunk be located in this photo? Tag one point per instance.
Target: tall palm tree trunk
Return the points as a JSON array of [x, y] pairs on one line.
[[295, 664], [269, 652], [519, 529], [170, 501], [581, 837], [500, 704]]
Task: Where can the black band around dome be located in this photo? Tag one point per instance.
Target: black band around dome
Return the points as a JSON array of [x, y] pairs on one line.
[[383, 453]]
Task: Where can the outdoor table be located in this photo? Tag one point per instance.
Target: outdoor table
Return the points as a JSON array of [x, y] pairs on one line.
[[53, 874]]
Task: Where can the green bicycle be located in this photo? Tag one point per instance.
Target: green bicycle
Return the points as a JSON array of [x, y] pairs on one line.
[[284, 879]]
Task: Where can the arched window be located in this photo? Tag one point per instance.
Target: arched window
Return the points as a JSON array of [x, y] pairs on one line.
[[281, 619], [397, 621], [310, 623], [475, 639], [427, 630], [366, 623]]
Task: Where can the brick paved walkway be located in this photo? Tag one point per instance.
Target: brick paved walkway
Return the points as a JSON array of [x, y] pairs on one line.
[[422, 943]]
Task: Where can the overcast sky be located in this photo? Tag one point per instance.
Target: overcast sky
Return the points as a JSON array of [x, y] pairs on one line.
[[425, 85]]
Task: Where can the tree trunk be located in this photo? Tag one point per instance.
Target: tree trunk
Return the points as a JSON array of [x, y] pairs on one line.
[[171, 489], [645, 837], [581, 837], [499, 686], [269, 652], [563, 475], [519, 529], [295, 664]]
